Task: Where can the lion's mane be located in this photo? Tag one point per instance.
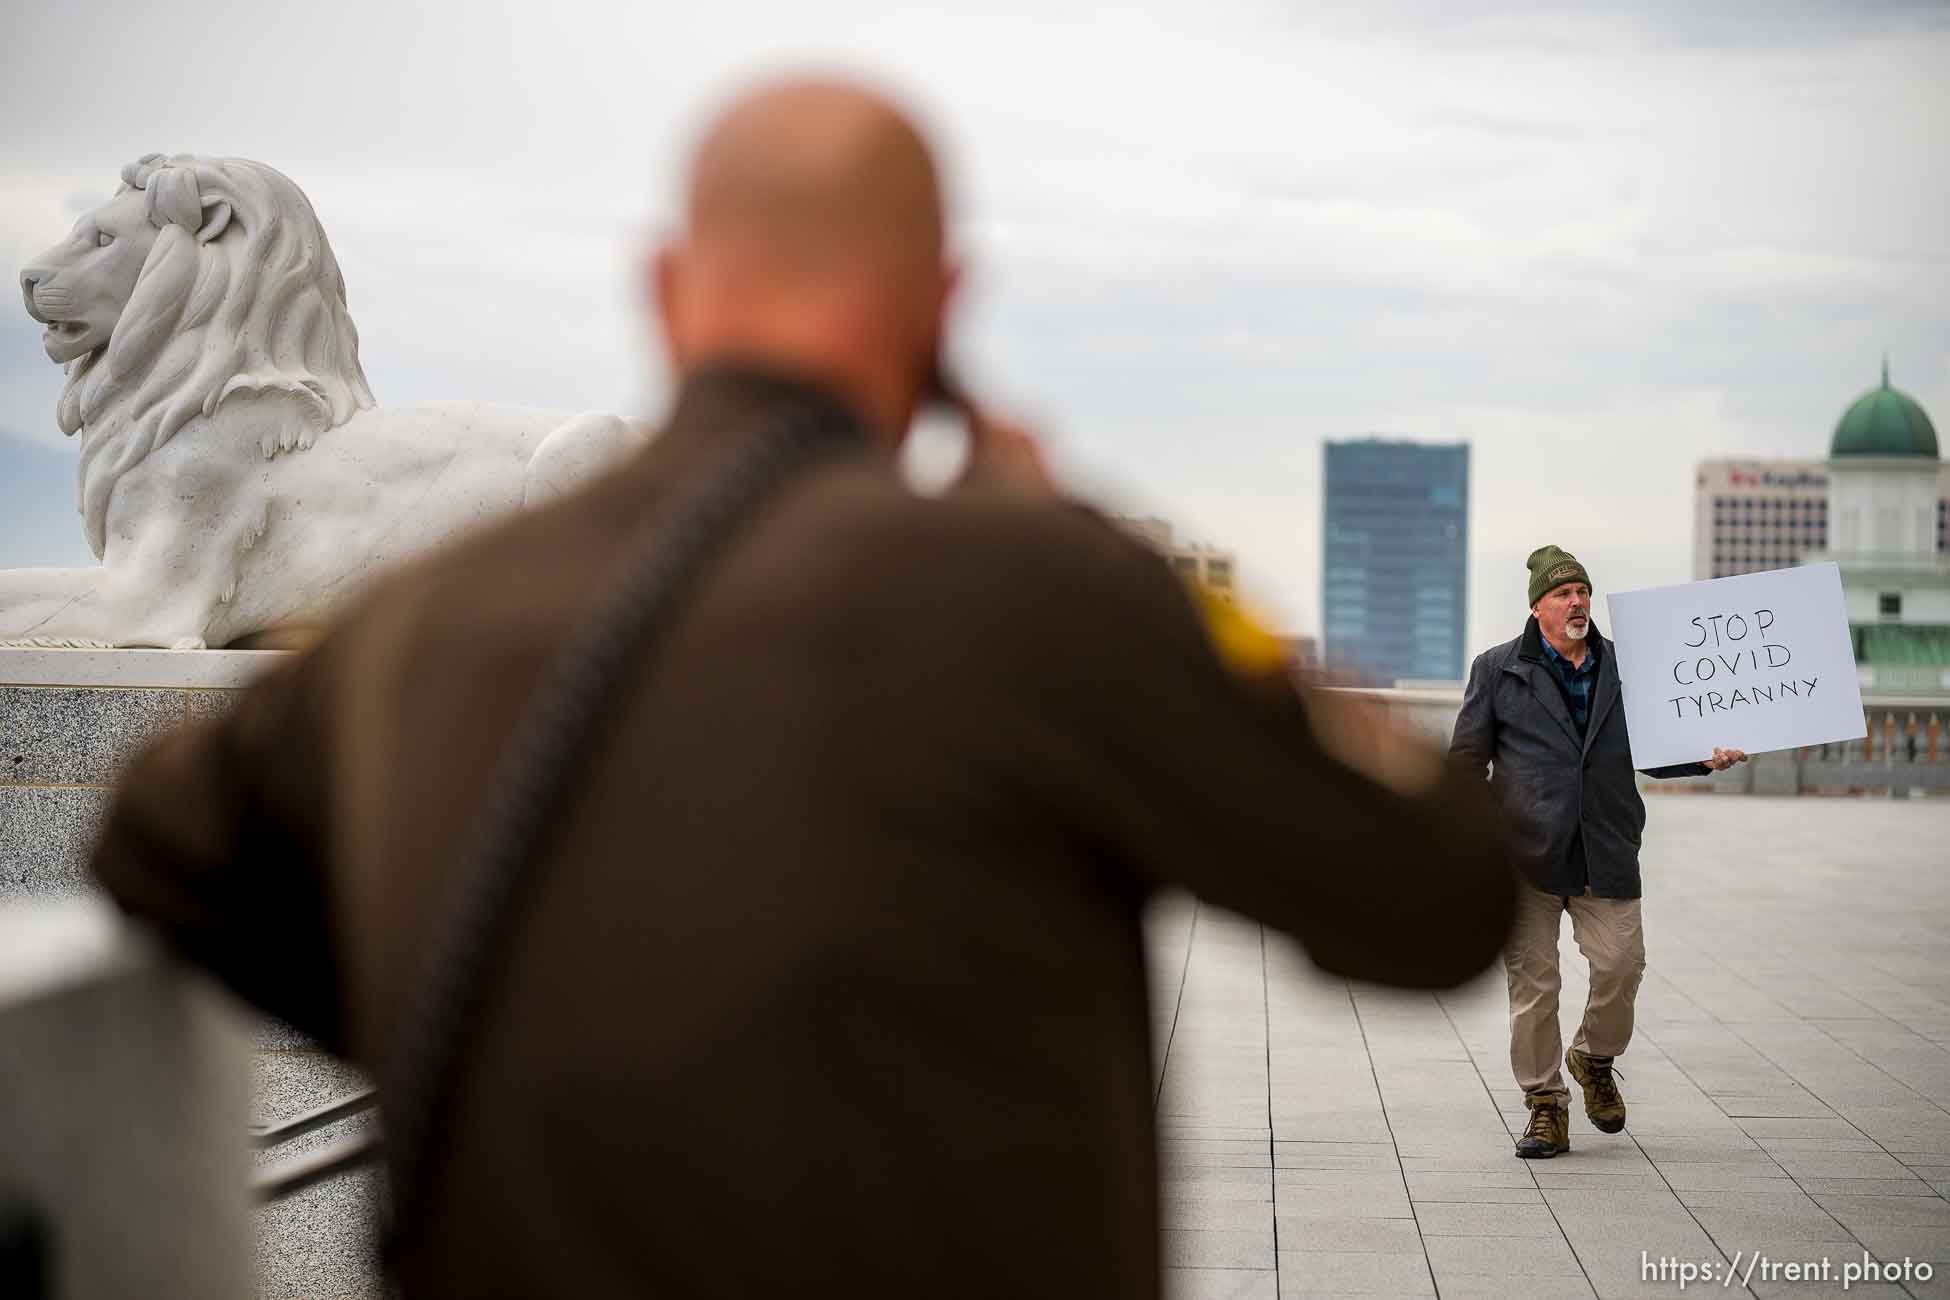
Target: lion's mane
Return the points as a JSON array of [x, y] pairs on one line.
[[257, 309]]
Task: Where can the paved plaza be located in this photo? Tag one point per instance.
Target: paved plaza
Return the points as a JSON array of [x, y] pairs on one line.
[[1789, 1086], [1789, 1090]]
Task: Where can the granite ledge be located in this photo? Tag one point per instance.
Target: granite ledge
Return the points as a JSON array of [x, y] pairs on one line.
[[165, 669]]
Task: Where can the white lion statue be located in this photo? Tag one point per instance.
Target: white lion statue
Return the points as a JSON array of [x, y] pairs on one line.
[[236, 477]]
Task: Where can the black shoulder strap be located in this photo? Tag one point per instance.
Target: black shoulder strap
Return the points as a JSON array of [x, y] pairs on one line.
[[526, 801]]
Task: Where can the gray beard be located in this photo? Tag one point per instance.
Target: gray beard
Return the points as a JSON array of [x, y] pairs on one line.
[[1577, 631]]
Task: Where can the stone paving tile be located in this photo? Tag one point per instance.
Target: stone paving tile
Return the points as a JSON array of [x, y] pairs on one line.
[[1467, 1287], [1508, 1188], [1886, 1211], [1842, 1164], [1702, 1177], [1570, 1179], [1249, 1248], [1865, 1186], [1221, 1284], [1460, 1162], [1328, 1273], [1797, 1128], [1328, 1126], [1793, 1146], [1291, 1201], [1623, 1273], [1909, 1241], [1365, 1236], [1180, 1159], [1788, 1195], [1263, 1138], [1261, 1176], [1451, 1219], [1824, 1291], [1254, 1145], [1304, 1149], [1668, 1151], [1215, 1215], [1299, 1155], [1735, 1229], [1205, 1185], [1801, 1106], [1789, 1084], [1500, 1256], [1386, 1180], [1932, 1159]]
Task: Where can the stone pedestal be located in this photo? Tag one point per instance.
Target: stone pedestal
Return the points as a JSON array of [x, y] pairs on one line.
[[69, 720]]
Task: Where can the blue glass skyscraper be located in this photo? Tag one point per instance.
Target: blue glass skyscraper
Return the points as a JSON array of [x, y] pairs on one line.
[[1395, 558]]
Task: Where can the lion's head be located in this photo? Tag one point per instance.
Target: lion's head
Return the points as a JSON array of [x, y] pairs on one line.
[[202, 279]]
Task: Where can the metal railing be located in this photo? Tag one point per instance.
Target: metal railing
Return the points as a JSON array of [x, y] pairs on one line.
[[285, 1177], [1907, 746]]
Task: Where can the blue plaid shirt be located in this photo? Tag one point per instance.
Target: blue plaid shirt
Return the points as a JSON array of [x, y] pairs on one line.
[[1578, 682]]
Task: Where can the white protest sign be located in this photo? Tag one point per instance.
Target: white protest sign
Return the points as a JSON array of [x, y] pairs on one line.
[[1758, 662]]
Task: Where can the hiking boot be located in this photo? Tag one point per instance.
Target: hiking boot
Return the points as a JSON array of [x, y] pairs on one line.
[[1549, 1130], [1603, 1105]]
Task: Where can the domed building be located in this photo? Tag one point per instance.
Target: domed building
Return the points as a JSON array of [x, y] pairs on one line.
[[1886, 532], [1884, 421]]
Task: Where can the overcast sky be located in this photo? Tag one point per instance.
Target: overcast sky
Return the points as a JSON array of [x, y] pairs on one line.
[[1202, 238]]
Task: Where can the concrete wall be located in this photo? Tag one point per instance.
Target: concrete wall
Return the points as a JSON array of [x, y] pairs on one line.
[[123, 1159], [69, 720]]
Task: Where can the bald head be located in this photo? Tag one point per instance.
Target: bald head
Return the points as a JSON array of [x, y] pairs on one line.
[[814, 243], [813, 172]]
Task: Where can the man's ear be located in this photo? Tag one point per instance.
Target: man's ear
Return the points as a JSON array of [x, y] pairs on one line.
[[930, 334], [951, 282], [663, 288]]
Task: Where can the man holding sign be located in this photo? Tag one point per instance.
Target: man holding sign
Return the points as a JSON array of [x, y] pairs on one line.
[[1763, 659], [1542, 712]]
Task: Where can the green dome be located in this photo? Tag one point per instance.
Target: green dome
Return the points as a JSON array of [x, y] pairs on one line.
[[1885, 422]]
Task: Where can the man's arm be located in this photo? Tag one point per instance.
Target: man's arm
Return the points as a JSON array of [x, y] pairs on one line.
[[216, 836], [1722, 760], [1221, 785], [1474, 739], [1676, 770]]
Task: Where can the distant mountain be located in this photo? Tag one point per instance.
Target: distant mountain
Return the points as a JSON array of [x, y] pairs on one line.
[[38, 523]]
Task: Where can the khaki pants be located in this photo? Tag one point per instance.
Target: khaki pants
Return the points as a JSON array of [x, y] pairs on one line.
[[1608, 933]]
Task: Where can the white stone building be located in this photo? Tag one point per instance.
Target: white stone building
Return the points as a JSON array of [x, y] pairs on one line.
[[1878, 507], [1886, 526]]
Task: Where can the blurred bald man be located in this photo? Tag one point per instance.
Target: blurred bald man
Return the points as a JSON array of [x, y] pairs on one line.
[[831, 979]]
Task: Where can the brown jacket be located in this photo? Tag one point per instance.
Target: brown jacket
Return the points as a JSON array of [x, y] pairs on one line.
[[834, 980]]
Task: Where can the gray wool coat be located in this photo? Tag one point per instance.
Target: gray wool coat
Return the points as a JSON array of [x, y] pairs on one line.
[[1552, 784]]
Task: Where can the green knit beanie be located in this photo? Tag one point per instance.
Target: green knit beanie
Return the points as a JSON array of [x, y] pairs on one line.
[[1553, 566]]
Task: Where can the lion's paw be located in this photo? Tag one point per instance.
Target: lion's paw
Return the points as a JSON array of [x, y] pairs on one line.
[[190, 643]]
